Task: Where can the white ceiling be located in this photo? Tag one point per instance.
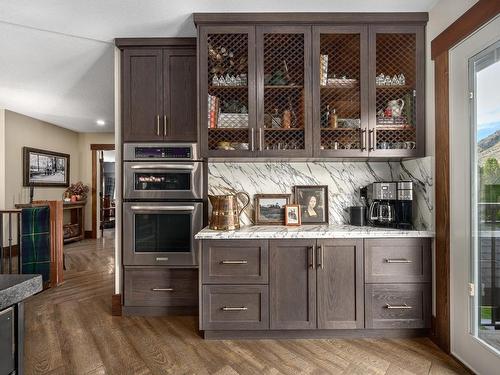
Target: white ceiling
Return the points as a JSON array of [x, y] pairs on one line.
[[56, 56]]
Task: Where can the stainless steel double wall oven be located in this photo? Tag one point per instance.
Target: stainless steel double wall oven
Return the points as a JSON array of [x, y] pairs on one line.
[[163, 206]]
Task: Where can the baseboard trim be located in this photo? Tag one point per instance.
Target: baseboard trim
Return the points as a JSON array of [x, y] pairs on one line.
[[315, 334], [160, 310], [116, 305]]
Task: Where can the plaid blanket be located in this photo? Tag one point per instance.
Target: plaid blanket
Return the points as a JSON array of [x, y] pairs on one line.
[[35, 241]]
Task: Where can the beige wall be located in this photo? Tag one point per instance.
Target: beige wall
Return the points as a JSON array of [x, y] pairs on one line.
[[443, 14], [85, 155], [23, 131]]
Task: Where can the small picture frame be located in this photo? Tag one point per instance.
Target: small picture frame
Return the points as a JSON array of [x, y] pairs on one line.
[[270, 208], [313, 201], [292, 215]]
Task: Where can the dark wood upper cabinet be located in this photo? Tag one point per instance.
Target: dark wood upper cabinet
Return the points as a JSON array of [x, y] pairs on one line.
[[179, 76], [227, 91], [314, 85], [340, 289], [396, 94], [284, 91], [159, 89], [142, 95], [340, 90], [292, 284]]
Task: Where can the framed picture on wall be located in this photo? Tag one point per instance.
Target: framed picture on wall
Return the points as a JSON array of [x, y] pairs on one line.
[[45, 168]]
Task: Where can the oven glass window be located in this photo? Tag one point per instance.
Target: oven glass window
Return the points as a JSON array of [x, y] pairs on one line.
[[162, 181], [156, 233]]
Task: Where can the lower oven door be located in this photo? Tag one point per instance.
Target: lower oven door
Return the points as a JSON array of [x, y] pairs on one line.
[[161, 233], [155, 180]]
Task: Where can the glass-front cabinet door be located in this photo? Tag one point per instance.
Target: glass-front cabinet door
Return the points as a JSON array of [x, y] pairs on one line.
[[227, 90], [396, 91], [340, 69], [284, 91]]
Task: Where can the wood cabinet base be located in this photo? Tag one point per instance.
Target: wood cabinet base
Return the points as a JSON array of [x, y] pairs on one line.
[[315, 334], [159, 310]]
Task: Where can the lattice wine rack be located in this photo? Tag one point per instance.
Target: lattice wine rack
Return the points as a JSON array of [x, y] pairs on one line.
[[284, 91], [227, 92], [340, 91], [395, 88]]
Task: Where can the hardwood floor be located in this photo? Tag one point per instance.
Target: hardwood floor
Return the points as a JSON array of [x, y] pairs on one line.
[[70, 330]]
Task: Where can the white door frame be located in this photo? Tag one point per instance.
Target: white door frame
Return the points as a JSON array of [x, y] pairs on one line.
[[471, 351]]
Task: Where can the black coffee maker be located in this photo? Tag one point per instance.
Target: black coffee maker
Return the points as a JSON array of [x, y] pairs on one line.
[[389, 204], [404, 205]]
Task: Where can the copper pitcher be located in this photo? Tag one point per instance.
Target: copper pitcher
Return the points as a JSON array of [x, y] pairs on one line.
[[226, 211]]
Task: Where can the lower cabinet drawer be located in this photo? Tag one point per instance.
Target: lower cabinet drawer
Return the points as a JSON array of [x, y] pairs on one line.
[[161, 287], [235, 307], [397, 305]]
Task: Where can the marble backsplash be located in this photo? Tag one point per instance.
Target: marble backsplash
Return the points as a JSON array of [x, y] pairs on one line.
[[343, 179]]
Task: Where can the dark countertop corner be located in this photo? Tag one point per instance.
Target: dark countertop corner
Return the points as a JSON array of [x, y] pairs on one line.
[[16, 288]]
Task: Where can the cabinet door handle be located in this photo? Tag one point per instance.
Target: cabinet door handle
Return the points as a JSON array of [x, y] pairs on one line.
[[227, 308], [404, 306], [402, 260], [164, 125], [371, 140], [162, 289], [252, 138], [260, 139], [311, 257], [234, 262], [363, 139], [320, 257], [158, 125], [160, 259]]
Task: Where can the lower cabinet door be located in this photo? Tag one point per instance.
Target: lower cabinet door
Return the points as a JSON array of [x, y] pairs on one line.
[[292, 284], [398, 305], [340, 287], [235, 307]]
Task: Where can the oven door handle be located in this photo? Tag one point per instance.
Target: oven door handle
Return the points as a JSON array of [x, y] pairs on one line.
[[163, 166], [162, 208]]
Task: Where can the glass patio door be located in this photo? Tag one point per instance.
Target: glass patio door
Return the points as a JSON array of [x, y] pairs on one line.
[[484, 78]]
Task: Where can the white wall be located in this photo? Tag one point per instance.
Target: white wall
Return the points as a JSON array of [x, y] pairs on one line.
[[442, 15], [2, 158]]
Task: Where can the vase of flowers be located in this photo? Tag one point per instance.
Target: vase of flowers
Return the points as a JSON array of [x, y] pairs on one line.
[[77, 191]]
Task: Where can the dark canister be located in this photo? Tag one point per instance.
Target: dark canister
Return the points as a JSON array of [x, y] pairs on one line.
[[357, 215]]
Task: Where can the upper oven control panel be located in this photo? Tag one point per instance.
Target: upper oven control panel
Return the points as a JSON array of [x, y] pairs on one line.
[[159, 151]]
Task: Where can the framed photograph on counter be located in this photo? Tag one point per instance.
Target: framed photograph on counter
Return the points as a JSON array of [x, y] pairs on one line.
[[292, 214], [313, 201], [270, 208]]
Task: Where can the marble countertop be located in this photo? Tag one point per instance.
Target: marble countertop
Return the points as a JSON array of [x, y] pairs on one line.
[[16, 288], [309, 231]]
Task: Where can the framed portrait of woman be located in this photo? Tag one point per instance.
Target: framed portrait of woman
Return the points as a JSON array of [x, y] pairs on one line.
[[313, 201]]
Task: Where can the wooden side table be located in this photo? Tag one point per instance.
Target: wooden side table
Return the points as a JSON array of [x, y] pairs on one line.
[[75, 229]]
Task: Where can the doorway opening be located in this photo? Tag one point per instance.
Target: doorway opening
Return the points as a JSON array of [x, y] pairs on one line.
[[103, 190]]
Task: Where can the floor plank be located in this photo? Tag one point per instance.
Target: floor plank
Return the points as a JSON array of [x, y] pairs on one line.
[[70, 330]]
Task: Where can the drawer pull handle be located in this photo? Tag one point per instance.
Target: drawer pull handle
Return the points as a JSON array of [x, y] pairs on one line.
[[162, 289], [160, 259], [234, 262], [243, 308], [404, 306], [398, 260]]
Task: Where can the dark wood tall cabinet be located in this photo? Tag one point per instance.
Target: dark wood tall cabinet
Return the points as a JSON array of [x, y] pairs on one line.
[[312, 85], [158, 89]]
